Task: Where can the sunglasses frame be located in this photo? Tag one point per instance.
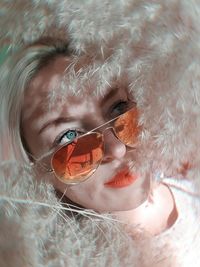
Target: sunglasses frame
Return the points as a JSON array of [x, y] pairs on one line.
[[111, 127]]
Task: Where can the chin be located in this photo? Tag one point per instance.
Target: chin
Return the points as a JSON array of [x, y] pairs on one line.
[[125, 205], [131, 206]]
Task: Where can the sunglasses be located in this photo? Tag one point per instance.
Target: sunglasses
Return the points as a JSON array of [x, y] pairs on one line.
[[77, 160]]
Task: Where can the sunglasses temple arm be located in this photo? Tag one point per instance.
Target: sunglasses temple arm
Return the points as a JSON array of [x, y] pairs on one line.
[[44, 167], [35, 162]]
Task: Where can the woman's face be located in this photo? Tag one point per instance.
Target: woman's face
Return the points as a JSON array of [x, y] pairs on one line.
[[45, 126]]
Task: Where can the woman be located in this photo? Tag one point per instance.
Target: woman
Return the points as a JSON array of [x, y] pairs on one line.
[[100, 178], [85, 142]]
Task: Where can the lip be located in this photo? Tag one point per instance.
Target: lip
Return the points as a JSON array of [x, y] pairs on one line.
[[121, 179]]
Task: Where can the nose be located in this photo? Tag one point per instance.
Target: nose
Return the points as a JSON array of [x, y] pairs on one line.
[[114, 148]]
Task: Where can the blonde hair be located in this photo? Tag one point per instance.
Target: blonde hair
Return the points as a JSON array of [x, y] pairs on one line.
[[15, 75]]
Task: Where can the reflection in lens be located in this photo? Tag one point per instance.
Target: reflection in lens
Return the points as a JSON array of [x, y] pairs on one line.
[[126, 127], [76, 161]]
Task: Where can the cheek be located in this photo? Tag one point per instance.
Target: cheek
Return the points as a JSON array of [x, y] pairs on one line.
[[92, 194], [31, 143], [82, 194]]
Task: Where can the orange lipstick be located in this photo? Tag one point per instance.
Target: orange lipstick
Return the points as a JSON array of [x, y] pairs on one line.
[[121, 179]]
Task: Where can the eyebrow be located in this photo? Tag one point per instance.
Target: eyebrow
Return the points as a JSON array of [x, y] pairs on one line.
[[55, 122]]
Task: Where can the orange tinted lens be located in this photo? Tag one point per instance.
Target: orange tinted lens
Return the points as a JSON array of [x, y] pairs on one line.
[[76, 161], [126, 127]]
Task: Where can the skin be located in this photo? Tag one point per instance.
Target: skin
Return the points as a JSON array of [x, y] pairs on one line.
[[129, 203]]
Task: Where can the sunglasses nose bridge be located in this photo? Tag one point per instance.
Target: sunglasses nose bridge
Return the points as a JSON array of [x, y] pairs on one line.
[[113, 147], [107, 126]]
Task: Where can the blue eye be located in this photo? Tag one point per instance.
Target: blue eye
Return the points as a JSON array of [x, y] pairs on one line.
[[68, 136], [71, 134]]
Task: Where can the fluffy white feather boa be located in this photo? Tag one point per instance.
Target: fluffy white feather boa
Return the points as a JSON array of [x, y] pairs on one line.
[[38, 230], [153, 47]]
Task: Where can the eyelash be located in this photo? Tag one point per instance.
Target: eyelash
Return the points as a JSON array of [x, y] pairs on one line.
[[117, 104], [59, 138]]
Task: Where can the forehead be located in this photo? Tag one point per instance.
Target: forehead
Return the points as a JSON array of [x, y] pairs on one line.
[[49, 89], [63, 77], [66, 78], [51, 81], [60, 83]]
